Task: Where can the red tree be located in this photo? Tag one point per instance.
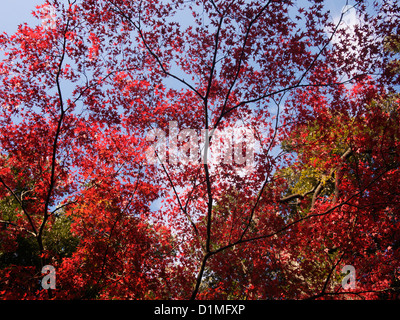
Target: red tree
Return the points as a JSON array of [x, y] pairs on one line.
[[306, 185]]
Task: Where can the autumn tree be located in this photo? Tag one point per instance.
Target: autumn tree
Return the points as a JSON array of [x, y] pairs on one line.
[[299, 99], [362, 157]]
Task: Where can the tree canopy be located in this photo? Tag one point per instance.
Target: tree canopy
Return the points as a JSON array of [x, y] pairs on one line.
[[201, 150]]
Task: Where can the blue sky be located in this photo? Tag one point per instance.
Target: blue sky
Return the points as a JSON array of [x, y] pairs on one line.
[[15, 12]]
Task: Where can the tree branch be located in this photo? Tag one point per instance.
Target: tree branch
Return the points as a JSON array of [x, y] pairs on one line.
[[323, 291], [287, 226], [240, 63], [34, 230], [183, 209], [17, 226], [200, 275], [298, 82], [151, 52], [55, 142]]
